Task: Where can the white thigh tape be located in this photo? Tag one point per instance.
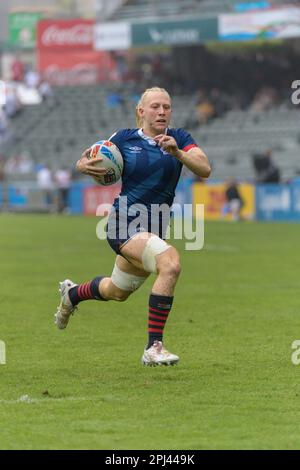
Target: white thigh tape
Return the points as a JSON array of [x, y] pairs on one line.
[[125, 281], [155, 246]]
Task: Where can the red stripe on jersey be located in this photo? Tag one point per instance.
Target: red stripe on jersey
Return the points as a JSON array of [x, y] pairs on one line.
[[189, 147]]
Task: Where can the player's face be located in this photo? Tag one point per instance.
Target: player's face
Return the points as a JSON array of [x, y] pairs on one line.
[[156, 112]]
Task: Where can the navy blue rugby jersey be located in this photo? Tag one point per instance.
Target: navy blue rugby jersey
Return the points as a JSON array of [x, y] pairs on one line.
[[150, 174]]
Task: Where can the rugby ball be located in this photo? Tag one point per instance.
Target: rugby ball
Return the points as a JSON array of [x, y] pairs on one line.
[[112, 161]]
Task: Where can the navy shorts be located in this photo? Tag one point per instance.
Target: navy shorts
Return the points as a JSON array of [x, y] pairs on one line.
[[121, 228]]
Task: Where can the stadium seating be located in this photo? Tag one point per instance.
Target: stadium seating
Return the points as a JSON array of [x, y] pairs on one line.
[[232, 140], [57, 131]]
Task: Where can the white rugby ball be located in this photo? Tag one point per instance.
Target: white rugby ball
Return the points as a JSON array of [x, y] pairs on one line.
[[112, 161]]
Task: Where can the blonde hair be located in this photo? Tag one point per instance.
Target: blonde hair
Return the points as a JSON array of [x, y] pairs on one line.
[[138, 118]]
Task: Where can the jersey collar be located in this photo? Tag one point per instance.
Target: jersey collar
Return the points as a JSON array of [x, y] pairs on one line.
[[150, 140]]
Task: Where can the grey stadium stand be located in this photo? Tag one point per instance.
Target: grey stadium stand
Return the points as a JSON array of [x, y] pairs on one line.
[[56, 132]]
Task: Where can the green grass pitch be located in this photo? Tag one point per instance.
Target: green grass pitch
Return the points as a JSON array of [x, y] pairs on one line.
[[235, 316]]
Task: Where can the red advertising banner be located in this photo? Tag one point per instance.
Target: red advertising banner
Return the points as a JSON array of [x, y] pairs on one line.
[[65, 34], [65, 53], [75, 68], [94, 196]]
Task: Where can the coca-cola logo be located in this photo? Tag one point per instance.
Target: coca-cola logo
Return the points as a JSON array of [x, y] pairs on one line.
[[80, 74], [77, 35]]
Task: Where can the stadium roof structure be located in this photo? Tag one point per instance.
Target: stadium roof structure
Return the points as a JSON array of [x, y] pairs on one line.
[[171, 9]]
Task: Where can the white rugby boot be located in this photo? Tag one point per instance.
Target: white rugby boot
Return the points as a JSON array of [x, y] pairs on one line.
[[65, 308], [158, 355]]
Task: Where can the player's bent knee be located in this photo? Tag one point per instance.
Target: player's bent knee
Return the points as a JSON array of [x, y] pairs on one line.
[[175, 269], [121, 296], [126, 282], [154, 246], [169, 268], [169, 263]]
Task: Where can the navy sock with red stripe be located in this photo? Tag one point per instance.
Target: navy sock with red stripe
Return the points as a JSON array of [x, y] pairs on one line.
[[87, 291], [159, 309]]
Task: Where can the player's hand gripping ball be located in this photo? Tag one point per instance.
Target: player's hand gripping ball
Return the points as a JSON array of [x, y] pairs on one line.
[[111, 160]]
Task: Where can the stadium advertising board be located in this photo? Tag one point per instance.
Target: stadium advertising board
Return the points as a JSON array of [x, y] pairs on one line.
[[213, 198], [112, 36], [66, 54], [175, 32], [241, 7], [63, 35], [18, 195], [295, 188], [269, 24], [22, 29], [275, 202], [95, 196], [76, 68]]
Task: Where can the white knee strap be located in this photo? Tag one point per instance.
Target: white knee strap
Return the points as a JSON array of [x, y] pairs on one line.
[[125, 281], [154, 246]]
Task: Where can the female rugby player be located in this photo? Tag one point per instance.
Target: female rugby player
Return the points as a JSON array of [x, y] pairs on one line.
[[153, 155]]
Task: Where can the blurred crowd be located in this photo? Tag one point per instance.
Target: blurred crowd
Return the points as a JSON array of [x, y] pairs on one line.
[[54, 185], [215, 103], [256, 81], [241, 72], [25, 87]]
